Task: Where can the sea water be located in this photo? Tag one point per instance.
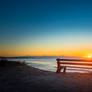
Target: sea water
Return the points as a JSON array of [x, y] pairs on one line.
[[48, 64]]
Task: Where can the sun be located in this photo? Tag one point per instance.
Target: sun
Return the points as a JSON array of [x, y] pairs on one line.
[[89, 56]]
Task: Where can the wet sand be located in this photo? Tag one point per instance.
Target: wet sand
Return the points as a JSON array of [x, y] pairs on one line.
[[23, 78]]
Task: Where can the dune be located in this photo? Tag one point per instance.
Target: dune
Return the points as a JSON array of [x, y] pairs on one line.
[[23, 78]]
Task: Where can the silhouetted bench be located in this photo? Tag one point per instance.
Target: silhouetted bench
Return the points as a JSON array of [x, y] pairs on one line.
[[62, 64]]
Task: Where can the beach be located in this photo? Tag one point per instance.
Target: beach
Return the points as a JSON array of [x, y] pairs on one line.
[[24, 78]]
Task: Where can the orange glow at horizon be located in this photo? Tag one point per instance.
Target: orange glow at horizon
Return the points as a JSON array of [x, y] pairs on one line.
[[28, 52], [45, 50]]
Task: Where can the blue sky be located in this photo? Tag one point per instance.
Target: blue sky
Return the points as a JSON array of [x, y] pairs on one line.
[[34, 24]]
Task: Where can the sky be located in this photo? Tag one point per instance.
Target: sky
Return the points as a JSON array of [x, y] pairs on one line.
[[45, 27]]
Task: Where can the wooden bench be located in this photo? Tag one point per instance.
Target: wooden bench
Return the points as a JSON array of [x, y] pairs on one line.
[[62, 64]]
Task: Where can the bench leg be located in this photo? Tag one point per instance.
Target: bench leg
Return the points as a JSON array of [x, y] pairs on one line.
[[59, 69], [64, 70]]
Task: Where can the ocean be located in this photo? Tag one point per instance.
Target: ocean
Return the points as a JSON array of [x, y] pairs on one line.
[[48, 64]]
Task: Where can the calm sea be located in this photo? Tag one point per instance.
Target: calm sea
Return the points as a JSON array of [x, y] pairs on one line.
[[48, 64]]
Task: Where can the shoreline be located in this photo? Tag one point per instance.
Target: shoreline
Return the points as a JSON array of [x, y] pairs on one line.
[[24, 78]]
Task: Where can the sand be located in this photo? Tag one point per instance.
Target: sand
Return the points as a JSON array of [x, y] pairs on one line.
[[23, 78]]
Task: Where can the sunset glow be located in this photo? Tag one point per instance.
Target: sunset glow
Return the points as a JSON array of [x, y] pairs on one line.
[[51, 28], [89, 56]]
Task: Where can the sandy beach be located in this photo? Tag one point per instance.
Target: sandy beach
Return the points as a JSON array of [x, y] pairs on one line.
[[23, 78]]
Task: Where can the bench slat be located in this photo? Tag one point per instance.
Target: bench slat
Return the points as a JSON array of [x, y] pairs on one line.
[[78, 67], [87, 64], [86, 60]]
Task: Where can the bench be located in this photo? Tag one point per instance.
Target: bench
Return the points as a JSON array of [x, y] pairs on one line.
[[62, 64]]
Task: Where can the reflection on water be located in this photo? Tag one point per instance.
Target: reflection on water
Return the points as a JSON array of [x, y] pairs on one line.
[[48, 64], [45, 64]]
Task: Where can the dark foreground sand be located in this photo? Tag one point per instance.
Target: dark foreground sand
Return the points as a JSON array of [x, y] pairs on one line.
[[22, 78]]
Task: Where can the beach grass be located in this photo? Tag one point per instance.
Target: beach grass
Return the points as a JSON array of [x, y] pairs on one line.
[[6, 62]]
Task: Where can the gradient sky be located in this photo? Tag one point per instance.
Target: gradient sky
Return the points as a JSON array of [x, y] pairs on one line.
[[45, 27]]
